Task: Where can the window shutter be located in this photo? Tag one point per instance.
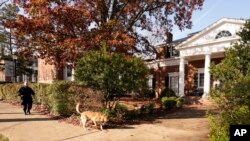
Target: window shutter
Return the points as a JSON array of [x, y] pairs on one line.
[[167, 81], [153, 83]]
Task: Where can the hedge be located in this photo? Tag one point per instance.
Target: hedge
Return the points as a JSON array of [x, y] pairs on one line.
[[59, 97]]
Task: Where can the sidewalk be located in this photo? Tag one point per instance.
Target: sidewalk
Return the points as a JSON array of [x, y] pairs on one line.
[[36, 127]]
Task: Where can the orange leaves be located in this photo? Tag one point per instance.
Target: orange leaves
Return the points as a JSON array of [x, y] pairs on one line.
[[63, 29]]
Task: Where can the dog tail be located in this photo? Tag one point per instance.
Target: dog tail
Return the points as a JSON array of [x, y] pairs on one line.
[[77, 107]]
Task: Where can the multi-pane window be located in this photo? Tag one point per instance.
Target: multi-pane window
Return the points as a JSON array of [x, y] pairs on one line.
[[172, 82], [223, 33], [199, 79], [172, 52]]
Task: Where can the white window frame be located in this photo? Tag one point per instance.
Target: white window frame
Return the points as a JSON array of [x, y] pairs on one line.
[[150, 81], [200, 71], [67, 70], [173, 74]]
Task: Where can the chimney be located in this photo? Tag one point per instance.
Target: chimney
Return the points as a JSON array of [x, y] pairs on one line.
[[169, 36]]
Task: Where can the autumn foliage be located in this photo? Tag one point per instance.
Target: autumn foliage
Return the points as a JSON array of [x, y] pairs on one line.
[[61, 30]]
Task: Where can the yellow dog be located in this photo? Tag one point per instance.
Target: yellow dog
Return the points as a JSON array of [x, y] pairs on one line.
[[93, 116]]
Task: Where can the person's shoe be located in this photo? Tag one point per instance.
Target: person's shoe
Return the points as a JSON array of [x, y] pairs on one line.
[[29, 112]]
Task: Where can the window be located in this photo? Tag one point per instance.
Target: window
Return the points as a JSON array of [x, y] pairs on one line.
[[172, 52], [69, 71], [199, 79], [151, 82], [223, 33], [172, 82]]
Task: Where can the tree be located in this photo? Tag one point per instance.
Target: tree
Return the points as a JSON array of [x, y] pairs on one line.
[[233, 95], [7, 12], [113, 74], [62, 30]]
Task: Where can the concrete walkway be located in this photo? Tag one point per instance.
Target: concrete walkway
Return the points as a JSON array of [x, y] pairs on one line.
[[36, 127]]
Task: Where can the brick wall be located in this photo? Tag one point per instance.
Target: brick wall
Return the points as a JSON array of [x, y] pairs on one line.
[[190, 70], [46, 72]]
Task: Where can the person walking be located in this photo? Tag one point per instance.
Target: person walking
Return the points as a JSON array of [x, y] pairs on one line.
[[25, 93]]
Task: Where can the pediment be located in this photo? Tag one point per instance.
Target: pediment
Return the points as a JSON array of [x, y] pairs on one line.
[[224, 29]]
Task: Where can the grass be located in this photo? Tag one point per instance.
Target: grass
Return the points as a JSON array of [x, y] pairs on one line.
[[3, 138]]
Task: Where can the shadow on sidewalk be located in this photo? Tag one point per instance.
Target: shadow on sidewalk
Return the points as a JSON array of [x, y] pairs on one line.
[[11, 113], [78, 136], [25, 119]]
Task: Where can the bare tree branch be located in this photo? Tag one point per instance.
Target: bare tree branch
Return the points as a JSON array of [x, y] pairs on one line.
[[1, 4]]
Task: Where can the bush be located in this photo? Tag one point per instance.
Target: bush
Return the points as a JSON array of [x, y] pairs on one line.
[[3, 138], [147, 108], [8, 91], [118, 112], [233, 94], [112, 73], [179, 102], [59, 98], [220, 124], [42, 94], [167, 92], [169, 102]]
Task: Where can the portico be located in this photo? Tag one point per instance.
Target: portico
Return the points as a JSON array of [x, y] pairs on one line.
[[208, 44], [186, 66]]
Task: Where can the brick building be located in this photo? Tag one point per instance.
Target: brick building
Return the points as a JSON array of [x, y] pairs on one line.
[[48, 73], [184, 64]]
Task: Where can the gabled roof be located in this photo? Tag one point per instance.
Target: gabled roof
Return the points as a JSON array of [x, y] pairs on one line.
[[209, 28], [178, 41]]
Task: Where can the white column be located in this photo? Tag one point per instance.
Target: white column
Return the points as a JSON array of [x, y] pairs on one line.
[[73, 73], [181, 76], [207, 75]]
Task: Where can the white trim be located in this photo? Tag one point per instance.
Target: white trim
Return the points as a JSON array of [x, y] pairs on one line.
[[175, 86], [65, 73], [173, 74], [207, 75], [215, 42], [150, 81], [211, 27], [200, 70], [181, 76]]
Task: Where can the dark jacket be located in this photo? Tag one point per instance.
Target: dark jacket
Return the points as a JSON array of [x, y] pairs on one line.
[[26, 93]]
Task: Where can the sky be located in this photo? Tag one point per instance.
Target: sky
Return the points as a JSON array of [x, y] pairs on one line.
[[214, 10]]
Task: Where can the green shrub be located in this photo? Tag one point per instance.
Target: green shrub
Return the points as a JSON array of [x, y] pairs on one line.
[[179, 102], [132, 114], [42, 94], [113, 74], [3, 138], [59, 98], [118, 112], [147, 108], [169, 102], [167, 92], [219, 124]]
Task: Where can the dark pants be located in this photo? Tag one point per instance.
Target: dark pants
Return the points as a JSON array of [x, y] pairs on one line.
[[27, 107]]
